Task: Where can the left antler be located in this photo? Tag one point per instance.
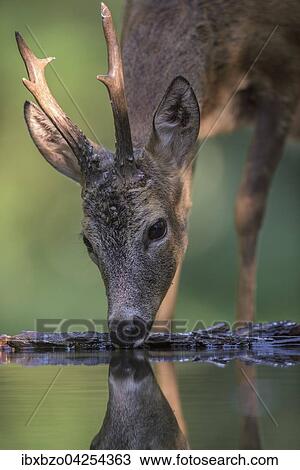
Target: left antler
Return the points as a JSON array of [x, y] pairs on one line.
[[37, 85], [114, 81]]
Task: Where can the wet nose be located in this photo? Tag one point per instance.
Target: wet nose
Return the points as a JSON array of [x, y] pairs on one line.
[[129, 332]]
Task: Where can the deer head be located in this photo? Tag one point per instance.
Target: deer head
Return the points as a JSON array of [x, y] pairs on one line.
[[134, 224]]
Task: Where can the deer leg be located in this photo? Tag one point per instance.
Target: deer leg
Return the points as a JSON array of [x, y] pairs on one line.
[[272, 126], [166, 310]]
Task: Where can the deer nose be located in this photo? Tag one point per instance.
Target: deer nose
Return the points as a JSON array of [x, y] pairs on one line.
[[129, 332]]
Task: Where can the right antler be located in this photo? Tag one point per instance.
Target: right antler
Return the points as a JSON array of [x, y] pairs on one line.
[[114, 82], [37, 85]]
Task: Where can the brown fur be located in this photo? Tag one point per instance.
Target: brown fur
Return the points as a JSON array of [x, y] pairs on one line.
[[213, 44]]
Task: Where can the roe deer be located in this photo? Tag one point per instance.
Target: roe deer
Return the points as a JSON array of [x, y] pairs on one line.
[[237, 62]]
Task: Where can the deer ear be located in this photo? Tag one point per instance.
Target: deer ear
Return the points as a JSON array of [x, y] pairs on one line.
[[176, 124], [50, 142]]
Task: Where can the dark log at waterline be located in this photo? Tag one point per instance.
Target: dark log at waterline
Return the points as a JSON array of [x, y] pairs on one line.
[[259, 336]]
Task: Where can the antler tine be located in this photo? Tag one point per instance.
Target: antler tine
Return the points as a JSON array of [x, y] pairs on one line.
[[114, 81], [38, 87]]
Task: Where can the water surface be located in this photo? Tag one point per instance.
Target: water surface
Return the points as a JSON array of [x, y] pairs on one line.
[[223, 406]]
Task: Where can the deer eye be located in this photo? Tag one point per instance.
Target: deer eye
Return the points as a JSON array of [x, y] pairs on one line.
[[157, 230], [87, 244]]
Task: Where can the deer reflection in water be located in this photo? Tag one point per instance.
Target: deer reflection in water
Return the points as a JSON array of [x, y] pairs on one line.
[[248, 406], [138, 415], [144, 409]]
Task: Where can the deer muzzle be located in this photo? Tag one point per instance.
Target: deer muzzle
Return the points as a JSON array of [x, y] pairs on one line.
[[128, 330]]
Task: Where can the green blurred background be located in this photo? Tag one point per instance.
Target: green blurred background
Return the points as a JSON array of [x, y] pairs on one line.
[[45, 271]]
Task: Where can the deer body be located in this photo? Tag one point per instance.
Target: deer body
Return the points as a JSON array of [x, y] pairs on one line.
[[228, 59], [213, 44]]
